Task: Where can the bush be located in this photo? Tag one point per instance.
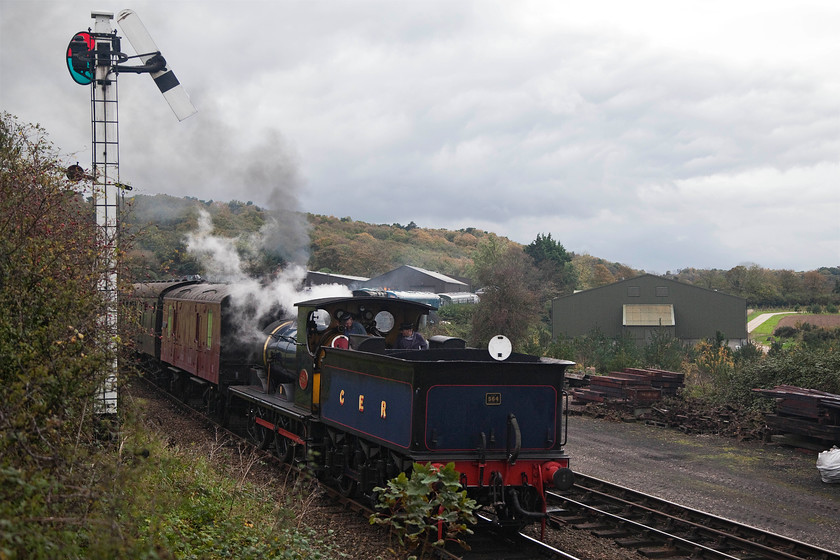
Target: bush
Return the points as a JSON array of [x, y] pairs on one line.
[[665, 352], [54, 464], [454, 320], [414, 507], [785, 332], [561, 348], [747, 353]]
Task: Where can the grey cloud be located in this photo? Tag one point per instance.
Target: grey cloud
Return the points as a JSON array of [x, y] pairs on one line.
[[502, 116]]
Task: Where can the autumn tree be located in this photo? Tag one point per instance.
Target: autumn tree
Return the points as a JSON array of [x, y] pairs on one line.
[[53, 356], [815, 284], [602, 275], [510, 303], [715, 358], [592, 272]]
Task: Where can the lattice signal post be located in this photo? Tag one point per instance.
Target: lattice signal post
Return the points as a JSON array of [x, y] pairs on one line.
[[94, 58]]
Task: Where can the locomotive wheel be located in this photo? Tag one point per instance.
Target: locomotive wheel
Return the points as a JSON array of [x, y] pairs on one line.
[[283, 448], [346, 486], [260, 435], [344, 483]]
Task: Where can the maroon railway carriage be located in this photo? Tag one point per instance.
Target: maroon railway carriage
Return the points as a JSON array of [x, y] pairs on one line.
[[196, 337]]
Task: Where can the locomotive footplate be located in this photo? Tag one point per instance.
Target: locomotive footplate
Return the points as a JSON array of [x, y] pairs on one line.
[[270, 402]]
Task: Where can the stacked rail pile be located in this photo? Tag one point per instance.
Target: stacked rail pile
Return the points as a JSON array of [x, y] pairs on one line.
[[633, 386], [804, 412], [669, 382]]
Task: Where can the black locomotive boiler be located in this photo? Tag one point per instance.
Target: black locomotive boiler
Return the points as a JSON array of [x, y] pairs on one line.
[[353, 408]]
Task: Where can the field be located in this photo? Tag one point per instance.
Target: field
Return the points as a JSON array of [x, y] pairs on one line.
[[822, 321]]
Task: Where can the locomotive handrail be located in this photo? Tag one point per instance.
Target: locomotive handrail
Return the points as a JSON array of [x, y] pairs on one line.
[[513, 423], [566, 414]]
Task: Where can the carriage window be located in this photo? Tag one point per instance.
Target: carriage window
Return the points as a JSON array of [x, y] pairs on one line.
[[169, 322], [209, 329]]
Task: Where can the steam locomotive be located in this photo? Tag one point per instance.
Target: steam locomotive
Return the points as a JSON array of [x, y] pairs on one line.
[[355, 409]]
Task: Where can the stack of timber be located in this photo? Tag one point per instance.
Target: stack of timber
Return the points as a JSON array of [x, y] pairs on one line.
[[633, 385], [804, 412]]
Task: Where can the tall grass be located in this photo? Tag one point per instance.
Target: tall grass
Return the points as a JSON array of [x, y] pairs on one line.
[[183, 503]]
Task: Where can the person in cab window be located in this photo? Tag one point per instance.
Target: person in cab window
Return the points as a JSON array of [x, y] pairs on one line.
[[351, 326], [411, 340]]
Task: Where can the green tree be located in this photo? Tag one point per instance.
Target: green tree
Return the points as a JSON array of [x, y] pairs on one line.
[[544, 248], [510, 304], [554, 265], [663, 351]]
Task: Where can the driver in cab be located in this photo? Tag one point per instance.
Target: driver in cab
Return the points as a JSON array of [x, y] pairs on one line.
[[411, 340], [350, 325]]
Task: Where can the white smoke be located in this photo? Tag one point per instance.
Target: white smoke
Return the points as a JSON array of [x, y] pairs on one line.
[[252, 299], [218, 254]]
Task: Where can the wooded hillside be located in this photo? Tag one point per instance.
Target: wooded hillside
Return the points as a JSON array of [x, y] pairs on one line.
[[158, 226]]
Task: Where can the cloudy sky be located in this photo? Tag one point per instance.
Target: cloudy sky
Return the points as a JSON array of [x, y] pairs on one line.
[[660, 134]]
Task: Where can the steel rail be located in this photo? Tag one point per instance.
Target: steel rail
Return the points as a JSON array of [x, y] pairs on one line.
[[680, 517]]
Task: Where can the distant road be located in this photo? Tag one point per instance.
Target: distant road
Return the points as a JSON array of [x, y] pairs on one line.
[[752, 325]]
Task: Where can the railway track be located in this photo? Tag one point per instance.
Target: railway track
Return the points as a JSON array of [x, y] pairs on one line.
[[487, 543], [649, 525], [662, 529], [491, 544]]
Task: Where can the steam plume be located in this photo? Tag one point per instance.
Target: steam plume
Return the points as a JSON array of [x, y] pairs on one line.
[[252, 299]]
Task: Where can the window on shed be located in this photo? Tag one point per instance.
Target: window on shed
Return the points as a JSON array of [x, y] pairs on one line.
[[662, 291], [634, 291], [648, 315]]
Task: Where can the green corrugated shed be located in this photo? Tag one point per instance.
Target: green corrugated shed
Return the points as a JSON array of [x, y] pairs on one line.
[[641, 305]]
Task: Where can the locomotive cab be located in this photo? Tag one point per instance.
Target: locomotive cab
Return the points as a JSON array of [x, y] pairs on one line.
[[325, 332]]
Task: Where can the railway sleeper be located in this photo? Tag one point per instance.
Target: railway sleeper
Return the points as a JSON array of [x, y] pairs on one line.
[[634, 541], [592, 526], [612, 533], [659, 552], [566, 518]]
